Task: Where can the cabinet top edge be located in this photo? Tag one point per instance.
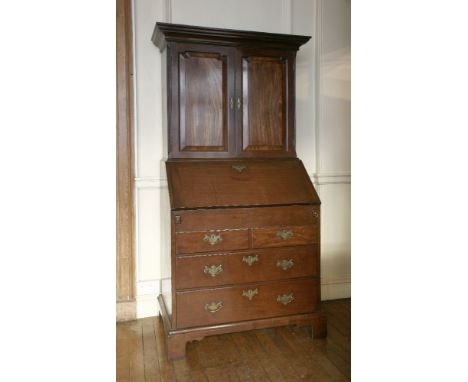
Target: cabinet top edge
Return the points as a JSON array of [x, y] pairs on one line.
[[167, 32]]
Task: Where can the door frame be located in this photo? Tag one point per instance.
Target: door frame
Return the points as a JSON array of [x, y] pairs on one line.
[[125, 246]]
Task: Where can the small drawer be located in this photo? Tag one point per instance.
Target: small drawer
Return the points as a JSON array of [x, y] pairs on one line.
[[212, 241], [285, 236], [207, 270], [247, 302]]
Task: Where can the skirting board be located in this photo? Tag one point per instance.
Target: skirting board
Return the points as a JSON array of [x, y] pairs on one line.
[[147, 297], [147, 304], [336, 290]]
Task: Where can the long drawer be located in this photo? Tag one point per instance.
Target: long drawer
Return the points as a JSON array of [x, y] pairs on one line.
[[256, 217], [245, 267], [246, 302]]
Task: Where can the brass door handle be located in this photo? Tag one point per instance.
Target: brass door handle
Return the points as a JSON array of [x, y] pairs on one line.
[[250, 259], [285, 299], [285, 234], [250, 293], [285, 264], [213, 239], [213, 307], [213, 270]]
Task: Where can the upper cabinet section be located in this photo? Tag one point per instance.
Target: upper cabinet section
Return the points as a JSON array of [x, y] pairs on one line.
[[230, 93]]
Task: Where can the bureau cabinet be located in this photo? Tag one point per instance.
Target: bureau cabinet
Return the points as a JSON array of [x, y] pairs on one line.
[[243, 216]]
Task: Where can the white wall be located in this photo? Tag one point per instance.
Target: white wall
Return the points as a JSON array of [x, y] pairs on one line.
[[332, 174], [323, 123]]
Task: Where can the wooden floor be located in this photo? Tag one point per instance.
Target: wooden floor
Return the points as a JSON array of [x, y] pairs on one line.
[[279, 354]]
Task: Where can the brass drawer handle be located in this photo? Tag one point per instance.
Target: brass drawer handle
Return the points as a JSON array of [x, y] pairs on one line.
[[250, 260], [285, 264], [315, 214], [250, 293], [238, 103], [213, 271], [231, 103], [285, 299], [213, 307], [213, 239], [285, 234], [239, 167]]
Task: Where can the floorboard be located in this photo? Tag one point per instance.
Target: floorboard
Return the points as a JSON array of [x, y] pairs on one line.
[[273, 354]]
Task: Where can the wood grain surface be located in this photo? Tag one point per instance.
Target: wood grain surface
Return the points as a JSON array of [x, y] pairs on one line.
[[203, 101], [211, 183], [264, 103]]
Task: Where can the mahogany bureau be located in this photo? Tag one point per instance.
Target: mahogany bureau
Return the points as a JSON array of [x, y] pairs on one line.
[[241, 216]]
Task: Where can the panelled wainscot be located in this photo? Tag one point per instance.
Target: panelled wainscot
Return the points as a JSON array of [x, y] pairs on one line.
[[244, 217]]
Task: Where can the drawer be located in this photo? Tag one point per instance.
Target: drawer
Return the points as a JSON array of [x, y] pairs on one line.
[[196, 271], [247, 302], [285, 236], [255, 217], [209, 241]]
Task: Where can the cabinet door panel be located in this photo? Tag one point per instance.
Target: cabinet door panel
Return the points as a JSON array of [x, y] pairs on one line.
[[264, 96], [203, 101], [200, 117], [265, 83]]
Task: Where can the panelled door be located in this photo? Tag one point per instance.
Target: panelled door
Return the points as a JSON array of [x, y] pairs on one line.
[[202, 90], [265, 84], [231, 102]]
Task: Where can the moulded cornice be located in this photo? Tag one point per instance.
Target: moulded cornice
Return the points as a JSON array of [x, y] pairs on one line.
[[166, 32]]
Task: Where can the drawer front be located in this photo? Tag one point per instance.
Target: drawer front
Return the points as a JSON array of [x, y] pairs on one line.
[[234, 218], [246, 267], [209, 241], [285, 236], [247, 302]]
